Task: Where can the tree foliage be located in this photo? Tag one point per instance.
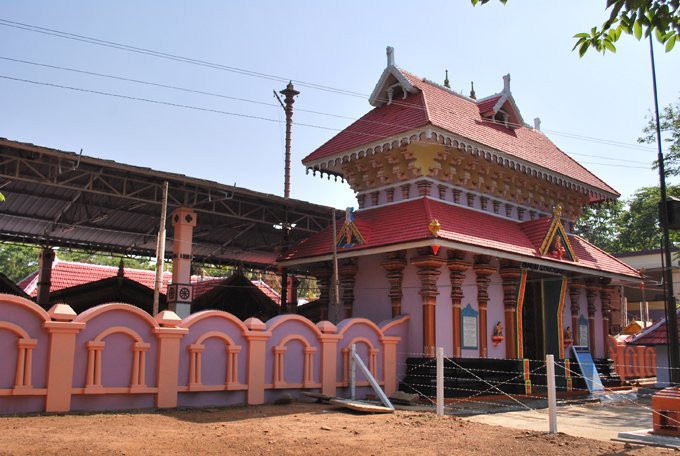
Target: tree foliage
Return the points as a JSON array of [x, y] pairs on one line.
[[632, 17], [629, 226], [669, 120]]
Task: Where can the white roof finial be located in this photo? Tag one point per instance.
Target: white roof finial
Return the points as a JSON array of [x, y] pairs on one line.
[[506, 83], [390, 56]]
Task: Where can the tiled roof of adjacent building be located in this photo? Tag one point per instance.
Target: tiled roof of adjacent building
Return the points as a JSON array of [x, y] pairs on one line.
[[67, 274], [437, 106], [408, 221], [654, 335]]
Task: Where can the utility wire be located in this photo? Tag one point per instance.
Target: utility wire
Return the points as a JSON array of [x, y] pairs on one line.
[[218, 111], [229, 97], [165, 55], [125, 47]]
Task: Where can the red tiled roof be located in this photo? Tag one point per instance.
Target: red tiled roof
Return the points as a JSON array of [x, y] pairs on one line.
[[654, 335], [203, 286], [487, 104], [408, 221], [461, 116], [66, 274]]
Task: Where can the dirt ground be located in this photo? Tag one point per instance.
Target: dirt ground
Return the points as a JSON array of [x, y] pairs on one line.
[[295, 429]]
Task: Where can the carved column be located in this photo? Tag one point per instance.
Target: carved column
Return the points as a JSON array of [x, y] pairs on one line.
[[457, 267], [347, 270], [45, 260], [606, 300], [575, 288], [510, 273], [394, 265], [483, 270], [592, 291], [429, 268], [323, 282]]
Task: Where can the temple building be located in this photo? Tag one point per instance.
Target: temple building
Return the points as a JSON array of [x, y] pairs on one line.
[[464, 222]]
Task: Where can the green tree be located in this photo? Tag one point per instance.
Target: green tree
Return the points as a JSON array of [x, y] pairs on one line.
[[632, 17], [670, 124], [640, 223], [17, 261], [601, 225], [627, 226]]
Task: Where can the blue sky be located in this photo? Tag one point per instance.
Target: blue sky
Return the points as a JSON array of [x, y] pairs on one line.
[[334, 44]]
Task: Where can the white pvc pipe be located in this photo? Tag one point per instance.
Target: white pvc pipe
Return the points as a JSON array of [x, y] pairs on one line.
[[552, 395], [440, 381]]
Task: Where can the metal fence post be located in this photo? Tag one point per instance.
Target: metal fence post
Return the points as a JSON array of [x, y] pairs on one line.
[[440, 381], [552, 396]]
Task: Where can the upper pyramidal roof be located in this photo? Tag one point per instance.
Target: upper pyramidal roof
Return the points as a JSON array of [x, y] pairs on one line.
[[406, 105]]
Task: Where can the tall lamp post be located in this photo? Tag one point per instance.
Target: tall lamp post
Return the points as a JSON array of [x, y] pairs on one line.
[[671, 315]]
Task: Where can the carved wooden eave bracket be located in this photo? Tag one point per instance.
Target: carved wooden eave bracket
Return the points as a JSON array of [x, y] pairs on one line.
[[335, 165]]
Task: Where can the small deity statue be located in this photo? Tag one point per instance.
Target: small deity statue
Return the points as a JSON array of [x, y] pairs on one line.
[[558, 250], [498, 330], [567, 333]]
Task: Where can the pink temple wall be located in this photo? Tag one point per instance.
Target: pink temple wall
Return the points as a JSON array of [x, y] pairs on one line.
[[470, 297], [371, 299], [115, 356], [495, 312], [444, 314], [412, 305]]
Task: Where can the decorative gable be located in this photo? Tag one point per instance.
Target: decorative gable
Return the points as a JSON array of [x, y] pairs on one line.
[[556, 242], [392, 85], [501, 108], [349, 234]]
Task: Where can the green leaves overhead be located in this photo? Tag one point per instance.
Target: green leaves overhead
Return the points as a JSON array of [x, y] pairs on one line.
[[639, 18]]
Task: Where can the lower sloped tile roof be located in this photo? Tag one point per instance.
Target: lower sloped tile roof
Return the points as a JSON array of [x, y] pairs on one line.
[[408, 221]]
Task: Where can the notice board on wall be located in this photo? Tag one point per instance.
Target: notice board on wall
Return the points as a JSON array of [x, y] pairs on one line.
[[588, 369]]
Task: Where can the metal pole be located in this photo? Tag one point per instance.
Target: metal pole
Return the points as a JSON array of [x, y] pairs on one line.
[[440, 381], [289, 93], [160, 251], [552, 396], [352, 372], [671, 316], [336, 280]]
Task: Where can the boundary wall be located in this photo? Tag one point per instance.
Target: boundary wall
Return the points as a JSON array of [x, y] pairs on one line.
[[116, 356], [632, 361]]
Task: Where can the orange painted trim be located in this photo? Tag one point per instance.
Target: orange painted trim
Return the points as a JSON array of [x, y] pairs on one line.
[[28, 304], [23, 391], [518, 314], [89, 314], [115, 390], [192, 319], [560, 316], [275, 322]]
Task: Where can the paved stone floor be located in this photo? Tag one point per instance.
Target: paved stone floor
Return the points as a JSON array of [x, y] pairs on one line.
[[600, 421]]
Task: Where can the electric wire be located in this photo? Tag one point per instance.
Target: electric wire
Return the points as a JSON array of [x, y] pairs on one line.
[[96, 41], [218, 111]]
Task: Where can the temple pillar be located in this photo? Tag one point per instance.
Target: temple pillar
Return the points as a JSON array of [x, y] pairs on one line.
[[575, 288], [394, 265], [45, 260], [323, 282], [293, 283], [592, 291], [347, 270], [180, 291], [457, 267], [606, 310], [510, 274], [483, 270], [428, 269]]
